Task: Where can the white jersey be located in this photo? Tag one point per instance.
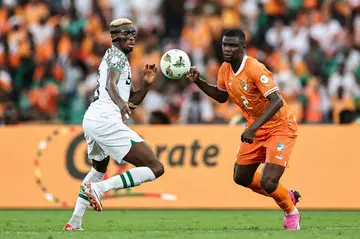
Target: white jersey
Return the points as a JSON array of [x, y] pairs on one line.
[[103, 106]]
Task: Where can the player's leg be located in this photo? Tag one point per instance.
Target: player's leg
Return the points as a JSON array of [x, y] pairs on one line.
[[245, 175], [270, 183], [248, 159], [82, 203], [279, 149], [100, 162], [147, 168], [125, 144]]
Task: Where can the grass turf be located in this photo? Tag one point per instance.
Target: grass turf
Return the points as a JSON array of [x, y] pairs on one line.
[[177, 224]]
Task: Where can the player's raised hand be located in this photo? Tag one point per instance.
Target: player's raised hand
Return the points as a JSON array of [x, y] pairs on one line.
[[193, 74], [149, 73], [248, 135]]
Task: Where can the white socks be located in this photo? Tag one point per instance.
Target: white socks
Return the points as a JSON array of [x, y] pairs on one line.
[[128, 179], [82, 203], [293, 212]]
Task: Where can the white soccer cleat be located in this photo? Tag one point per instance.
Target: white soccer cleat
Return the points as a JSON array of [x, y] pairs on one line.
[[93, 195], [68, 227]]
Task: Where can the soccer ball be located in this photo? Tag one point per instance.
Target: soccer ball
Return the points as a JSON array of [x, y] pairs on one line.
[[175, 64]]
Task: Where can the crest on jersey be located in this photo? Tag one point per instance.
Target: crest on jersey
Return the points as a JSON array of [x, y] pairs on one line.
[[280, 147], [244, 86], [264, 79]]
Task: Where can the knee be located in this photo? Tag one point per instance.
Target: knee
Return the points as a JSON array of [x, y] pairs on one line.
[[158, 169], [242, 180], [101, 166], [269, 184]]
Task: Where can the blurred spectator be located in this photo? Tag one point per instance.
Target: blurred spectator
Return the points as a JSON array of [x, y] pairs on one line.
[[173, 13], [343, 79], [196, 108], [324, 30], [298, 41], [11, 115], [154, 100], [145, 14], [50, 52], [278, 34], [158, 117], [313, 113], [342, 103], [357, 112], [347, 117], [326, 103]]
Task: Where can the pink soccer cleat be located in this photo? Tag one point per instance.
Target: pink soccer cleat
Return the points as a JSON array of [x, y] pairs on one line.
[[68, 227], [295, 196], [93, 195], [293, 222]]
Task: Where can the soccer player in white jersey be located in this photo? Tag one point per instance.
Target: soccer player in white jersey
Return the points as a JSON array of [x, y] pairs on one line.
[[105, 130]]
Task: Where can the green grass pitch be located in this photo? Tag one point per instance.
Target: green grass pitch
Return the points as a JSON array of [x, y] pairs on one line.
[[148, 224]]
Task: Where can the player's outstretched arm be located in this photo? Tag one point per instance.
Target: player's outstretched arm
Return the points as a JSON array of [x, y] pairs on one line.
[[276, 102], [113, 77], [149, 75], [211, 90]]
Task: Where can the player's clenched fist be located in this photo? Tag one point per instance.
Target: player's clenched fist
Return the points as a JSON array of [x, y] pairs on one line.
[[248, 135], [149, 73], [193, 74]]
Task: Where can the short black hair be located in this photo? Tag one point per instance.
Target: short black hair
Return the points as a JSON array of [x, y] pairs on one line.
[[234, 32]]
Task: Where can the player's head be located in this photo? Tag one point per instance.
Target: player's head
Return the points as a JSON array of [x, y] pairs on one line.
[[233, 44], [123, 34]]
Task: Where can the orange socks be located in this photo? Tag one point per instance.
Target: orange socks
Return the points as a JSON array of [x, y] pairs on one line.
[[256, 187], [282, 198], [280, 195]]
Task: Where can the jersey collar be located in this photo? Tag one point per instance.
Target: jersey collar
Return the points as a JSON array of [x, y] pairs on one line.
[[241, 66]]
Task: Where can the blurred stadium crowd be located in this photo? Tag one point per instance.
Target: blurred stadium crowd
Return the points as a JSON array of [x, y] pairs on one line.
[[50, 51]]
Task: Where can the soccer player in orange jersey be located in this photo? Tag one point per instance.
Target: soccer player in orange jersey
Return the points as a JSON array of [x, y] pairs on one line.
[[271, 129]]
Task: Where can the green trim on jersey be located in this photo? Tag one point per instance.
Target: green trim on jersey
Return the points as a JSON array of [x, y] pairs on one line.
[[132, 142], [115, 68]]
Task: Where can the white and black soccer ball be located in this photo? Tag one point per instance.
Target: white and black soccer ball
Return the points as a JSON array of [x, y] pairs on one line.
[[175, 64]]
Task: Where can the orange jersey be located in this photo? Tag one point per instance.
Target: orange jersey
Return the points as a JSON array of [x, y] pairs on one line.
[[248, 88]]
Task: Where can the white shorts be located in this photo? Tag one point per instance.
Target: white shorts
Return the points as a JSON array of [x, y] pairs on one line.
[[108, 137]]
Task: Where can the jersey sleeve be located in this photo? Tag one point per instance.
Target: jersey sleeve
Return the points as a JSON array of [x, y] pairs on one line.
[[262, 78], [116, 60], [220, 80]]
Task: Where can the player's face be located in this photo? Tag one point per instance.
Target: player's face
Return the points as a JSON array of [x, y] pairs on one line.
[[125, 35], [232, 48]]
